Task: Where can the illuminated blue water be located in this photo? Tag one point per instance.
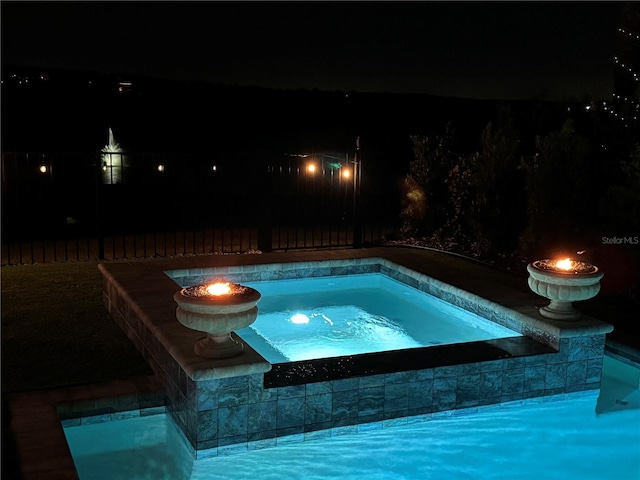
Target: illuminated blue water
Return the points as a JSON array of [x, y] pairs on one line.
[[320, 317], [550, 440], [588, 438]]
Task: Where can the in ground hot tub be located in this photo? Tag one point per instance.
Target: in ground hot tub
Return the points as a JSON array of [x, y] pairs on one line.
[[324, 317], [248, 399]]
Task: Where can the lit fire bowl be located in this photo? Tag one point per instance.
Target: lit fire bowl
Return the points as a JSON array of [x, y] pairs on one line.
[[563, 282], [217, 309]]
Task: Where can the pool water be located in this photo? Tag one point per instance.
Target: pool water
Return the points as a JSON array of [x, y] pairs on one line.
[[549, 437], [322, 317]]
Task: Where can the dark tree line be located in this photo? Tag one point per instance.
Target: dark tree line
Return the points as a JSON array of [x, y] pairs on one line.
[[580, 183]]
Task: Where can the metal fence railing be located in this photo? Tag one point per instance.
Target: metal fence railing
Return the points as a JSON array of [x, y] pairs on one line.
[[112, 205]]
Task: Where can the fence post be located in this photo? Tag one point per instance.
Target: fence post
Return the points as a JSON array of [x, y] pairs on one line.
[[99, 233], [265, 234], [357, 179], [265, 209]]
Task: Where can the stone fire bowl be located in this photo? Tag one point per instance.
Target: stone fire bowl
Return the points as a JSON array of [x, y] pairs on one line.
[[217, 316], [563, 289]]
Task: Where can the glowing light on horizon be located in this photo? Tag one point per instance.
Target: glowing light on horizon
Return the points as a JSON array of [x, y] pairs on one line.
[[112, 161]]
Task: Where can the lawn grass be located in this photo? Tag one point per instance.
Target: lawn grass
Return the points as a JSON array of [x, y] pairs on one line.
[[56, 331]]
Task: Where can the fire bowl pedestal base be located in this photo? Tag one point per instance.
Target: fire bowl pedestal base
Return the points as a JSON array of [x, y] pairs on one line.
[[557, 310], [218, 347]]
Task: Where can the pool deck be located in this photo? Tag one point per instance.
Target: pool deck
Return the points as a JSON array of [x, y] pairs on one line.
[[36, 416]]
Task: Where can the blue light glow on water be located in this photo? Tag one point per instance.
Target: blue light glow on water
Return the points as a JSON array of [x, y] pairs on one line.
[[549, 439], [321, 317]]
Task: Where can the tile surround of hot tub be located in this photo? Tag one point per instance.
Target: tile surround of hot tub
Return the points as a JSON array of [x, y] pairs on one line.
[[389, 396], [140, 297], [240, 410], [279, 271]]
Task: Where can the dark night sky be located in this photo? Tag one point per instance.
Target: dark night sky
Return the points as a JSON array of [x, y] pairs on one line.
[[504, 50]]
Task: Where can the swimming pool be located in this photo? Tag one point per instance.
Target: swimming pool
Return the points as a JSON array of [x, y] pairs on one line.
[[556, 437], [322, 317]]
